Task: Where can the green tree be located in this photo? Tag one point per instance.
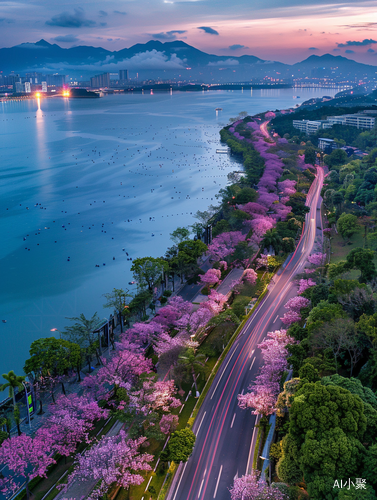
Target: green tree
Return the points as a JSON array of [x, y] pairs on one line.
[[347, 225], [326, 427], [180, 445], [13, 382], [51, 356], [116, 300], [148, 271], [193, 249], [179, 234], [310, 155], [193, 362], [370, 465], [82, 333], [322, 313], [336, 158], [362, 259]]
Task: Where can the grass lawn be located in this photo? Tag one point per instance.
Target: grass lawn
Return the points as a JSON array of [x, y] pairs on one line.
[[339, 249]]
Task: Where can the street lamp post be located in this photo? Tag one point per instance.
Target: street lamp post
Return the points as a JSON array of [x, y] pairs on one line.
[[27, 403], [56, 330]]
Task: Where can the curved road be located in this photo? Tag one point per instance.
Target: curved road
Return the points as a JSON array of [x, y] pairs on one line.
[[225, 432]]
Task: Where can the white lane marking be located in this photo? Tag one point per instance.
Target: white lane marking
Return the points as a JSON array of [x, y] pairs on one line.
[[276, 318], [217, 483], [180, 479], [201, 486], [252, 352], [252, 364], [231, 425], [197, 432], [222, 374], [149, 482], [242, 392]]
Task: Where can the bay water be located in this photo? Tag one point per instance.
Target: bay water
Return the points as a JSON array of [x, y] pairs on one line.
[[83, 182]]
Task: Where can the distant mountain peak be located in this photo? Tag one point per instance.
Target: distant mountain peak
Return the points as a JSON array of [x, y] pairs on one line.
[[43, 43]]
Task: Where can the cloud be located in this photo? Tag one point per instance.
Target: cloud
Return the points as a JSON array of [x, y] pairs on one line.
[[120, 12], [236, 46], [66, 39], [5, 20], [67, 20], [208, 30], [363, 26], [313, 48], [168, 35], [152, 59], [366, 41], [103, 13], [349, 51], [336, 50], [227, 62], [371, 50], [103, 24]]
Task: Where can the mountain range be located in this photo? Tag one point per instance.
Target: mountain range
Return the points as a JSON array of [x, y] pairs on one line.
[[168, 60]]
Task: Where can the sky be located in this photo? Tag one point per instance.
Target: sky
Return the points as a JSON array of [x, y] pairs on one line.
[[281, 30]]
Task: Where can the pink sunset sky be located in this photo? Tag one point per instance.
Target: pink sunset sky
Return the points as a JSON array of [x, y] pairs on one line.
[[283, 30]]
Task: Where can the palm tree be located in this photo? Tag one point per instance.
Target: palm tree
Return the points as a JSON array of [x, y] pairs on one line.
[[13, 381], [193, 361]]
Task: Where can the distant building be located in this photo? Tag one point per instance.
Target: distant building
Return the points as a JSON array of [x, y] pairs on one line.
[[358, 120], [310, 126], [27, 87], [102, 80], [327, 145], [123, 74], [19, 87], [44, 86]]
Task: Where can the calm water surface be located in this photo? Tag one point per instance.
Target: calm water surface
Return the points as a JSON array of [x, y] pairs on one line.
[[81, 180]]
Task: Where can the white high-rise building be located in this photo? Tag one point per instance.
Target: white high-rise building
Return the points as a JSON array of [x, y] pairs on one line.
[[44, 86], [27, 87]]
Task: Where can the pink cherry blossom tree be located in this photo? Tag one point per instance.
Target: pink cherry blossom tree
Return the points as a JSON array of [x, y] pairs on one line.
[[263, 394], [175, 309], [225, 244], [291, 317], [305, 284], [122, 369], [71, 419], [168, 423], [318, 259], [114, 460], [215, 303], [144, 332], [249, 487], [297, 303], [250, 276], [211, 277], [25, 457]]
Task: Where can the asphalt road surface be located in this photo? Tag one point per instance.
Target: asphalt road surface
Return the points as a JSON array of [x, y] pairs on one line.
[[225, 432]]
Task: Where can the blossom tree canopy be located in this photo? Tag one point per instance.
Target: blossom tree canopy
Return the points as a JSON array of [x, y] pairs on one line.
[[291, 317], [225, 244], [318, 259], [249, 487], [250, 276], [25, 457], [168, 423], [263, 394], [297, 303], [305, 284], [114, 460], [145, 332], [211, 277]]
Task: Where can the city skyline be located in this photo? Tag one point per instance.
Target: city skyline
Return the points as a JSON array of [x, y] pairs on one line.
[[272, 30]]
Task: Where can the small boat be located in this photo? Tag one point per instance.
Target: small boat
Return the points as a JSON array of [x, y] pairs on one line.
[[218, 109]]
